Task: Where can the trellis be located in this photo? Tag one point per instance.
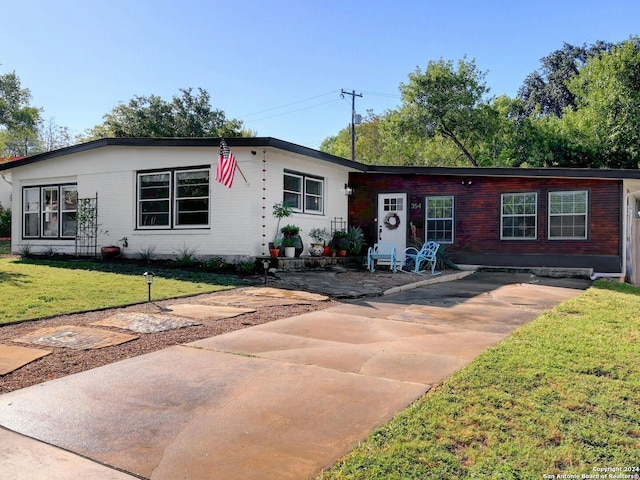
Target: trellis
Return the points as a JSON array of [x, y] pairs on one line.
[[338, 224], [87, 227]]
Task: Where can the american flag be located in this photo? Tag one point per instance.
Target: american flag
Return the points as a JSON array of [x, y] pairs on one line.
[[226, 165]]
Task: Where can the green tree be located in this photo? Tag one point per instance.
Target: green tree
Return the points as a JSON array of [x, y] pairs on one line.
[[370, 146], [546, 91], [447, 101], [19, 121], [607, 116], [187, 115]]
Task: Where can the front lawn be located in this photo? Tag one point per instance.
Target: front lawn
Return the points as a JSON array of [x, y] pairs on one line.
[[34, 289], [561, 395]]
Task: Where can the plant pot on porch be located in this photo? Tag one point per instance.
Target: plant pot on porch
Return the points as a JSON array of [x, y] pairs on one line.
[[316, 249], [289, 252], [295, 242]]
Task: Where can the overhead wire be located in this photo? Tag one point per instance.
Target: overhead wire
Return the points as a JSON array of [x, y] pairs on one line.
[[289, 104], [290, 111]]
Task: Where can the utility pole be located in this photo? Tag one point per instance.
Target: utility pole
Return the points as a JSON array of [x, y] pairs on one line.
[[353, 119]]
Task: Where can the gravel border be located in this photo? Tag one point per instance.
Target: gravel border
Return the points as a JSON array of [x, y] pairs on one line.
[[64, 361]]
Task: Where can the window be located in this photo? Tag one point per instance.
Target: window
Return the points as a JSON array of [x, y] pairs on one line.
[[568, 215], [303, 193], [395, 204], [519, 216], [49, 211], [173, 199], [439, 220]]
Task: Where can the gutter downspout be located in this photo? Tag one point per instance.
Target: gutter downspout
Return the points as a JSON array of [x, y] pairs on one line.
[[625, 229]]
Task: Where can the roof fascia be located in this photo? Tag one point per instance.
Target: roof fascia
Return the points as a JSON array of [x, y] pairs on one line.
[[593, 173], [255, 142]]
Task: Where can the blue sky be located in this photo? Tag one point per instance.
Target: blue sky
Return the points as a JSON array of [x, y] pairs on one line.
[[280, 65]]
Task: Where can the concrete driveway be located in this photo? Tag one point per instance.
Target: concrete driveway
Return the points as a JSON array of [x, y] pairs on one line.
[[281, 400]]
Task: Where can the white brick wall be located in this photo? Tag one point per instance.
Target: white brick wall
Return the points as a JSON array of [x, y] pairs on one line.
[[236, 214]]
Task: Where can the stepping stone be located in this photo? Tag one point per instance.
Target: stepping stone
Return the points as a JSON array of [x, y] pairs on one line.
[[282, 293], [13, 357], [239, 299], [76, 338], [207, 312], [146, 323]]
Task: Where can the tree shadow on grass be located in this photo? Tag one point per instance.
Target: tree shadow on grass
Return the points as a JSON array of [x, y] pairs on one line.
[[14, 279]]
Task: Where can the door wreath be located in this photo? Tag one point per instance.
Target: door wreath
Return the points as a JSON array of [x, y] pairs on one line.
[[392, 221]]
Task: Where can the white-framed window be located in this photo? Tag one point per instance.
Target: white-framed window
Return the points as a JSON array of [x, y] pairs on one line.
[[303, 193], [439, 219], [519, 216], [568, 215], [173, 199], [49, 211]]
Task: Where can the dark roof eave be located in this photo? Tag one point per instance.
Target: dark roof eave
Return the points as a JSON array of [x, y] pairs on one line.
[[549, 172], [255, 142]]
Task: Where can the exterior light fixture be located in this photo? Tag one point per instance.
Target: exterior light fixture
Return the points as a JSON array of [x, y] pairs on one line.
[[467, 183], [149, 278], [348, 190]]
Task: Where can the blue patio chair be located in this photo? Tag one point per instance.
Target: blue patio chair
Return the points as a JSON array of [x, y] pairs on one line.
[[382, 251], [417, 257]]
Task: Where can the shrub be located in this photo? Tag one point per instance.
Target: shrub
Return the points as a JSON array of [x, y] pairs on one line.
[[5, 221], [186, 256], [247, 267], [444, 258], [216, 264], [24, 250], [147, 254]]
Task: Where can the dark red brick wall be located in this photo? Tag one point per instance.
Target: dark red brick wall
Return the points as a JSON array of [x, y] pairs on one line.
[[477, 210]]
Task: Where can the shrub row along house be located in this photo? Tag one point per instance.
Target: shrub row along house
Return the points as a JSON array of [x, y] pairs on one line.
[[162, 195]]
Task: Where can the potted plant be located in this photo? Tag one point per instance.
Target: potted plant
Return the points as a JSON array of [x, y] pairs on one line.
[[280, 211], [113, 251], [291, 236], [318, 235], [289, 244], [343, 246], [338, 236], [355, 236], [274, 247]]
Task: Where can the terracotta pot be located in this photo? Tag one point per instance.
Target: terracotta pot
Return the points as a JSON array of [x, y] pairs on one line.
[[274, 252], [326, 250], [342, 253], [110, 252]]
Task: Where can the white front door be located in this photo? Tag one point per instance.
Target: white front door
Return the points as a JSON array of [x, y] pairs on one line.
[[392, 220]]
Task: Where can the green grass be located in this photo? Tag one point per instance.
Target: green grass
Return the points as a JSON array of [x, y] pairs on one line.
[[561, 395], [34, 289]]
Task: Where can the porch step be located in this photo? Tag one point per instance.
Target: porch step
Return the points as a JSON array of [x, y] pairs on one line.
[[308, 262]]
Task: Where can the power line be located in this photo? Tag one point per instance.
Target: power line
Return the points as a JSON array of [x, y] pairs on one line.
[[290, 111], [289, 104]]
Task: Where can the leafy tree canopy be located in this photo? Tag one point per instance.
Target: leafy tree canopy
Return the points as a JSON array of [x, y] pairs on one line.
[[186, 115], [546, 91], [19, 121], [448, 101]]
